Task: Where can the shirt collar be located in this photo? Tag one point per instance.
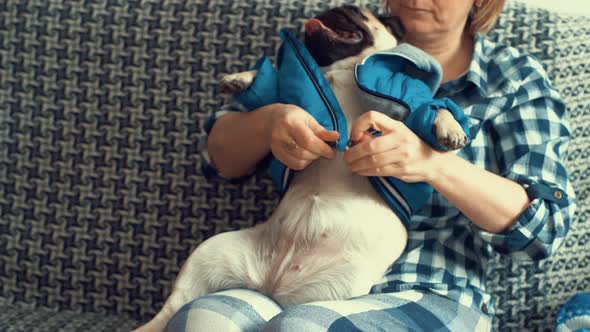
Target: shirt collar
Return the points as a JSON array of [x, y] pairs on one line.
[[477, 73]]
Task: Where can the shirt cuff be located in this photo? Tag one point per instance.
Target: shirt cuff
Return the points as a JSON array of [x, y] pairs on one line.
[[535, 234], [517, 237]]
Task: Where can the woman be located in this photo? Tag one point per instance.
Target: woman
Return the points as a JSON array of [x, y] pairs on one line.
[[508, 190]]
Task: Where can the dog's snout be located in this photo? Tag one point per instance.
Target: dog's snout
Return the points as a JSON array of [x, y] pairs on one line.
[[339, 33]]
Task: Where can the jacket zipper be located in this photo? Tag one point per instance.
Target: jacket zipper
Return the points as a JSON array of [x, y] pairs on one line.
[[393, 191], [335, 123], [317, 87], [287, 173]]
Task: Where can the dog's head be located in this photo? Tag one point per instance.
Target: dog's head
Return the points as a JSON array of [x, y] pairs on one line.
[[346, 31]]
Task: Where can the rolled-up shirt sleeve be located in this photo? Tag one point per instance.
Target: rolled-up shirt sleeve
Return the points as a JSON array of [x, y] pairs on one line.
[[530, 141]]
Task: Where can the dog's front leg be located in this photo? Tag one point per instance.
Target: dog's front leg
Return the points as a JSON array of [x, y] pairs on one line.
[[238, 82], [224, 261], [448, 131]]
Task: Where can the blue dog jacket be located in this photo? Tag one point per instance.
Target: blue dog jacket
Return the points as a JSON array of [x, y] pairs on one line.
[[400, 83]]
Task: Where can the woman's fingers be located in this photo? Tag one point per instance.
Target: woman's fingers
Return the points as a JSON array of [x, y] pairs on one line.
[[372, 120], [292, 155], [378, 160], [312, 139], [368, 147], [293, 152], [296, 150], [328, 136], [295, 163], [297, 138], [394, 170]]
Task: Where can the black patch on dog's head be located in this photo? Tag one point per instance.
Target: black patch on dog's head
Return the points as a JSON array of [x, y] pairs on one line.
[[393, 25], [343, 33]]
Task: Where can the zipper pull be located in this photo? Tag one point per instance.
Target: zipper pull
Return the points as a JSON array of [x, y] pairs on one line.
[[371, 131]]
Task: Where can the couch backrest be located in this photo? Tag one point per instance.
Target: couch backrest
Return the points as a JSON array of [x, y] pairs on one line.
[[531, 293]]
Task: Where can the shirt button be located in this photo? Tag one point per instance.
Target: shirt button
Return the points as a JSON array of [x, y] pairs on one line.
[[557, 194]]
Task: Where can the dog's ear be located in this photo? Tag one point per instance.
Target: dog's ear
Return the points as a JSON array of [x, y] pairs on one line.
[[392, 23]]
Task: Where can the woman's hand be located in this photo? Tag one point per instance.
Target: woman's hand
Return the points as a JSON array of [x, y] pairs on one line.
[[398, 152], [297, 139]]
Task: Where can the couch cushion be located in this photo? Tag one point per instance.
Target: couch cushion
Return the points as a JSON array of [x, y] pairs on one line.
[[14, 318]]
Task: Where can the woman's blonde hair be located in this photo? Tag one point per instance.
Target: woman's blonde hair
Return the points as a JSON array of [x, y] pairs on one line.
[[481, 19]]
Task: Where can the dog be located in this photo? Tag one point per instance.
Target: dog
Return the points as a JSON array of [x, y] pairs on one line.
[[319, 243]]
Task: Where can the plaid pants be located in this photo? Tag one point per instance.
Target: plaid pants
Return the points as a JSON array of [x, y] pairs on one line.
[[247, 310]]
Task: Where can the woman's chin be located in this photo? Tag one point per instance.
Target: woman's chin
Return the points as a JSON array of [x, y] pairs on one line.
[[422, 27]]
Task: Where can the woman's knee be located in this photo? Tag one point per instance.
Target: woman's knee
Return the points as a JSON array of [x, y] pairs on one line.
[[233, 310], [201, 313], [305, 317]]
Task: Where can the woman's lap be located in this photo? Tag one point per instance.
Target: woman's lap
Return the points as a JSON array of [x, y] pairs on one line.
[[246, 310], [231, 310]]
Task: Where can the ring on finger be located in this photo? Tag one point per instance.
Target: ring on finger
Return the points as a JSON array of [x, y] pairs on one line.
[[292, 146]]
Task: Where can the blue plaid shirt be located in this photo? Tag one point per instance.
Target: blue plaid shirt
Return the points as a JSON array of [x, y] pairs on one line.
[[519, 130]]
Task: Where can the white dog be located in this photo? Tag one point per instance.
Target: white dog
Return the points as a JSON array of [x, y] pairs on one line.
[[332, 237]]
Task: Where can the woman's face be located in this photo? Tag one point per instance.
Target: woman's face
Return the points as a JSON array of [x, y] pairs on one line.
[[431, 16]]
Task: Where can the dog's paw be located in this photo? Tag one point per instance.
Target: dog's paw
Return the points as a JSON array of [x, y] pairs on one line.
[[451, 139], [235, 83], [448, 131]]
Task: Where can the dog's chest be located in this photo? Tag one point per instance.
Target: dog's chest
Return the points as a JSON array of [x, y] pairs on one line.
[[326, 176], [343, 84], [335, 173]]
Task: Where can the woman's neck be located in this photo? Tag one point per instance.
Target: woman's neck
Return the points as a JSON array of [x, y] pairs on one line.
[[453, 51]]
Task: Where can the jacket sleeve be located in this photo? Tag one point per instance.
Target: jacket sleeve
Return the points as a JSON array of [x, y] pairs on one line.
[[421, 120], [263, 91], [530, 141]]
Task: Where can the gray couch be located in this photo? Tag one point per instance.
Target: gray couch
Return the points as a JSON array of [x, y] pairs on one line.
[[102, 107]]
